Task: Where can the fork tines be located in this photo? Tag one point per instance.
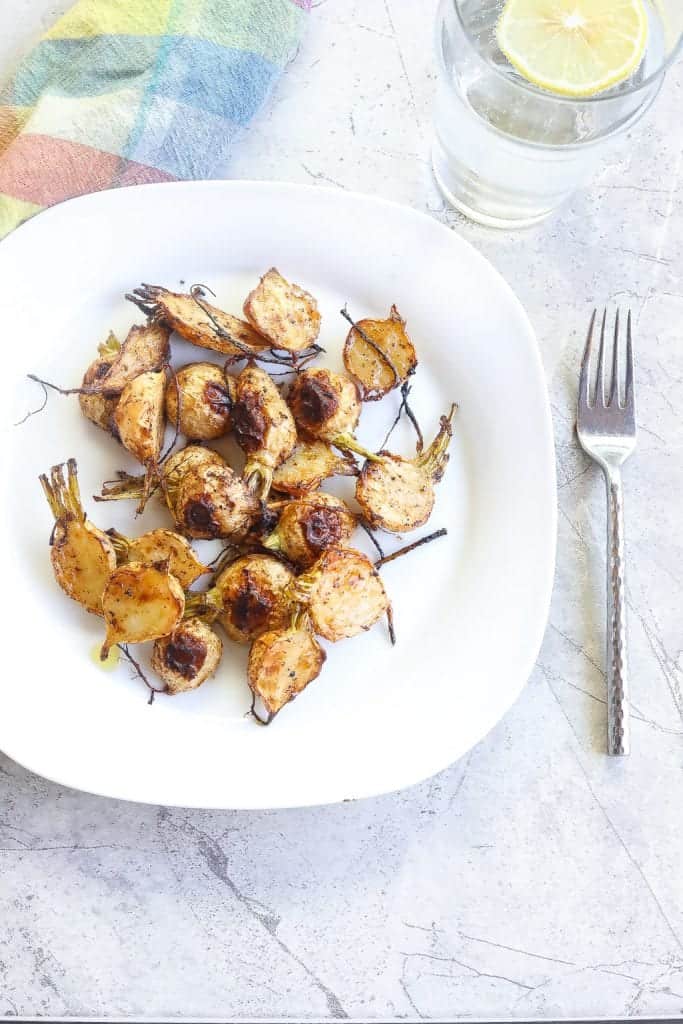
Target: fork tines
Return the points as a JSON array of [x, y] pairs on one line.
[[592, 395]]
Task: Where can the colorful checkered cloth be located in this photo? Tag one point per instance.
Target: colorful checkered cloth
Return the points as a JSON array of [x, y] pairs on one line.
[[121, 92]]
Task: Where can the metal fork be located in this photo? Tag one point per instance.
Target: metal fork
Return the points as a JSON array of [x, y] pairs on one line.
[[606, 427]]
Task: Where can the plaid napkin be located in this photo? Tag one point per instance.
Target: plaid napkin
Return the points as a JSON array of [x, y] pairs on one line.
[[121, 92]]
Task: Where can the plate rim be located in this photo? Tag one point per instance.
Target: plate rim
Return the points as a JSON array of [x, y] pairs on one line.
[[526, 663]]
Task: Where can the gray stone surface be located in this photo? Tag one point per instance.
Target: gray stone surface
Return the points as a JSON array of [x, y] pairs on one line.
[[535, 877]]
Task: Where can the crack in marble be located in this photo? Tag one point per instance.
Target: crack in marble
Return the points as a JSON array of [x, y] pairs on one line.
[[579, 649], [404, 66], [395, 155], [674, 181], [676, 580], [655, 725], [24, 843], [644, 256], [577, 476], [636, 713], [319, 176], [637, 188], [72, 849], [537, 988], [11, 1003], [623, 963], [467, 967], [609, 821], [217, 863], [515, 949], [573, 526], [408, 996], [580, 970], [461, 781], [599, 967], [369, 28], [652, 433], [580, 689], [432, 930], [624, 251], [663, 396], [649, 986], [559, 413], [357, 25], [163, 814], [663, 658], [666, 370], [617, 974]]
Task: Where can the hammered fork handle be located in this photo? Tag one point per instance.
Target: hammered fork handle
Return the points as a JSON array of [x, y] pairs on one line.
[[618, 726]]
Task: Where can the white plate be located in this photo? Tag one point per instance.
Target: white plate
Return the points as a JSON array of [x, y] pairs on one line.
[[470, 609]]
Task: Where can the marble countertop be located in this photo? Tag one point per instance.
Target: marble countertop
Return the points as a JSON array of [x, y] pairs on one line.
[[535, 878]]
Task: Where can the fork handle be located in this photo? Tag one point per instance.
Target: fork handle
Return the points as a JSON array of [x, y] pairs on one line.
[[618, 725]]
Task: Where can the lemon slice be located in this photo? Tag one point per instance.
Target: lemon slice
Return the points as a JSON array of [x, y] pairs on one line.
[[573, 47]]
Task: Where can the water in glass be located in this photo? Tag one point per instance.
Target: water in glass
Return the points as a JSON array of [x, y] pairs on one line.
[[506, 152]]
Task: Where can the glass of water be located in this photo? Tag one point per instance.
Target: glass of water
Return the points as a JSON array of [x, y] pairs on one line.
[[506, 153]]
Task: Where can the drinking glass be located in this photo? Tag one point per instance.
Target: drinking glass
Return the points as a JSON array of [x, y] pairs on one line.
[[507, 153]]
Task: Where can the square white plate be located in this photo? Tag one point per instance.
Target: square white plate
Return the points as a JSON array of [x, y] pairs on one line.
[[470, 609]]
